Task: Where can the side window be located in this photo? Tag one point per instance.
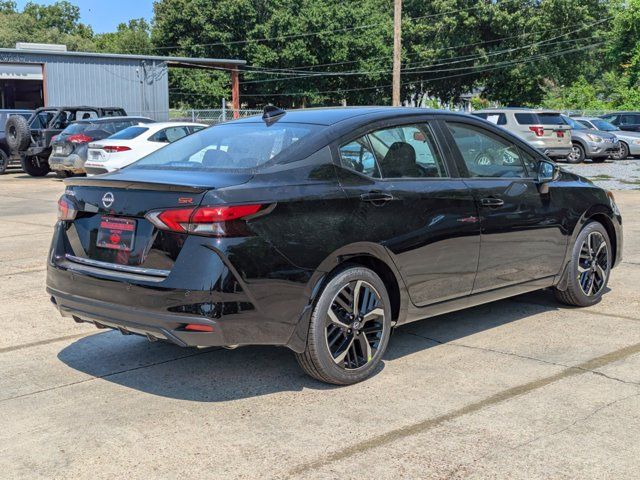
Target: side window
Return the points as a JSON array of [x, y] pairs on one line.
[[487, 155], [408, 151], [628, 120], [358, 156], [613, 119]]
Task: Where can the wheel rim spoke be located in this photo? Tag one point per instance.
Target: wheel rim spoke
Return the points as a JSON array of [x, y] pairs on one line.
[[355, 325], [593, 264]]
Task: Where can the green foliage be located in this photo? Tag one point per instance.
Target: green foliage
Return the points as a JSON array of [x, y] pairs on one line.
[[133, 37], [574, 54]]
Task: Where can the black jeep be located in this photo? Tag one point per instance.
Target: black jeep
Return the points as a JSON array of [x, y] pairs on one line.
[[30, 139]]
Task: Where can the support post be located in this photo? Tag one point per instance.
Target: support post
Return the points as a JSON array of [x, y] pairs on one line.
[[397, 50], [235, 92]]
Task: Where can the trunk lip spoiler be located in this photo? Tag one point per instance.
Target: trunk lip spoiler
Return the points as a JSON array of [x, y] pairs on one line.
[[133, 185]]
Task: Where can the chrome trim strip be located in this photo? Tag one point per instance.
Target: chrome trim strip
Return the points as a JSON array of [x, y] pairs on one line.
[[118, 268]]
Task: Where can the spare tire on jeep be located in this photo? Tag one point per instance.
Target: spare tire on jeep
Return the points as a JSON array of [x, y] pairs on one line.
[[18, 133]]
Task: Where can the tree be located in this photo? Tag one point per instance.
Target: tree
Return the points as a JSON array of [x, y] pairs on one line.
[[133, 37]]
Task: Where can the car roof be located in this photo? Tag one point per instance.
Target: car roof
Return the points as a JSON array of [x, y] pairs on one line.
[[333, 115], [517, 110], [160, 125], [111, 119]]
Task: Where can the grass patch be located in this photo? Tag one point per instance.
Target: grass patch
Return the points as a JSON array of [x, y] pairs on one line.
[[602, 176], [635, 181]]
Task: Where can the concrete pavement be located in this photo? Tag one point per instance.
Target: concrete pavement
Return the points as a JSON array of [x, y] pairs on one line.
[[522, 388]]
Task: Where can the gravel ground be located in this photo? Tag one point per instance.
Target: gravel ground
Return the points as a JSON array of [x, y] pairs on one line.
[[612, 175]]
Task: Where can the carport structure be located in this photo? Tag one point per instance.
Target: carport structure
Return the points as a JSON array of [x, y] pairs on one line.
[[36, 75]]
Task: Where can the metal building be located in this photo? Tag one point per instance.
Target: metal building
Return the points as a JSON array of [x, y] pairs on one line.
[[36, 75]]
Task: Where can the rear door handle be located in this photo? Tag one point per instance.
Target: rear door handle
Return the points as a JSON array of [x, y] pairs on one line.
[[376, 198], [492, 202]]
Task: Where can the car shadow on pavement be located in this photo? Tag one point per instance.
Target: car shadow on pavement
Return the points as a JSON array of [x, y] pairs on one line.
[[217, 375]]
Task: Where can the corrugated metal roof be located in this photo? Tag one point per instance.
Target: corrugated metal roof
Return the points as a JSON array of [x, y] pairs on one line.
[[170, 60]]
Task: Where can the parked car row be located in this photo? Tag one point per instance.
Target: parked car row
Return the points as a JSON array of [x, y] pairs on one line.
[[572, 139], [62, 139]]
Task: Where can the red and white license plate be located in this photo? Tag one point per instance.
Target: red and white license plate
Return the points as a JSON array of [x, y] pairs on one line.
[[116, 233]]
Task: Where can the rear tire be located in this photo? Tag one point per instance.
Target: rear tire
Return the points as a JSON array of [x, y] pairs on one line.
[[34, 166], [589, 268], [345, 345], [577, 154], [18, 133]]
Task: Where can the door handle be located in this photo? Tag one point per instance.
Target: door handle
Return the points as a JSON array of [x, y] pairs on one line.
[[376, 198], [492, 202]]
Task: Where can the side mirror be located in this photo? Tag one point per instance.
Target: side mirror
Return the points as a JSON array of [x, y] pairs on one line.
[[547, 172]]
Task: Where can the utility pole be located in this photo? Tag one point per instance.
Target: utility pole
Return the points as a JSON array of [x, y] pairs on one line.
[[397, 49]]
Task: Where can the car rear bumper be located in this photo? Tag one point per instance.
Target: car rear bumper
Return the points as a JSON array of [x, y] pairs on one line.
[[556, 152], [202, 289], [72, 163]]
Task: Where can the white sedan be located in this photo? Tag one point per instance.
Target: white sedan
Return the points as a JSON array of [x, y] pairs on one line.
[[133, 143]]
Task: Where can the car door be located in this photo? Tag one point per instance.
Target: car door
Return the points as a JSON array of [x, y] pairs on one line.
[[403, 194], [521, 229], [629, 122]]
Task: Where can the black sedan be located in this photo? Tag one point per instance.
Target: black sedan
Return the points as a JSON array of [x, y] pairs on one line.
[[320, 230]]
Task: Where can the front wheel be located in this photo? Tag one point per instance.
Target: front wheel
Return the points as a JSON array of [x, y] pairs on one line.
[[577, 154], [622, 153], [349, 328], [588, 270]]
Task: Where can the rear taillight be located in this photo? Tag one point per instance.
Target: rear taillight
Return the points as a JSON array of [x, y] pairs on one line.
[[66, 209], [79, 138], [537, 129], [215, 221], [115, 148]]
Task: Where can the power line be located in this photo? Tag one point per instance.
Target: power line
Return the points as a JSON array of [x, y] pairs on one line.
[[415, 69], [310, 34], [490, 67]]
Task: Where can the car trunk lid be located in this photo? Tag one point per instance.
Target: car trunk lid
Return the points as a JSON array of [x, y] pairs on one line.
[[110, 226]]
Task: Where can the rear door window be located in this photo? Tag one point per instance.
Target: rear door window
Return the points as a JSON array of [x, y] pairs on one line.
[[407, 151], [629, 119]]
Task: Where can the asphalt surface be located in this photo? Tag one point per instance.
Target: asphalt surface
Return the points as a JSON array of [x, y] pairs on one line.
[[522, 388]]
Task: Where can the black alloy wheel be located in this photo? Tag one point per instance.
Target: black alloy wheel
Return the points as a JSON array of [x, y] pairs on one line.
[[354, 325], [349, 328], [589, 268]]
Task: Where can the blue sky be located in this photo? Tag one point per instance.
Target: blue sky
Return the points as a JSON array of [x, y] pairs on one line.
[[105, 15]]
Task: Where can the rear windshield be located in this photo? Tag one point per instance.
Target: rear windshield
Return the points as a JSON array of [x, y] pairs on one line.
[[129, 133], [78, 128], [497, 118], [230, 146], [539, 118]]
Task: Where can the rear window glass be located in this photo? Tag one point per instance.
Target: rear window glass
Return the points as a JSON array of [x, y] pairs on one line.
[[129, 133], [228, 146], [78, 128], [496, 118], [573, 124], [539, 118]]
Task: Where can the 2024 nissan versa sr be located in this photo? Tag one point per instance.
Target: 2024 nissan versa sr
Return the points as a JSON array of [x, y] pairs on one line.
[[320, 230]]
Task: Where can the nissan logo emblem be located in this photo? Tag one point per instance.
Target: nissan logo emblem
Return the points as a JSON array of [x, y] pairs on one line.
[[107, 199]]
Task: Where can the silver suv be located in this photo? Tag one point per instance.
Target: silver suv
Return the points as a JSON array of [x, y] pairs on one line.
[[589, 143], [544, 129]]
